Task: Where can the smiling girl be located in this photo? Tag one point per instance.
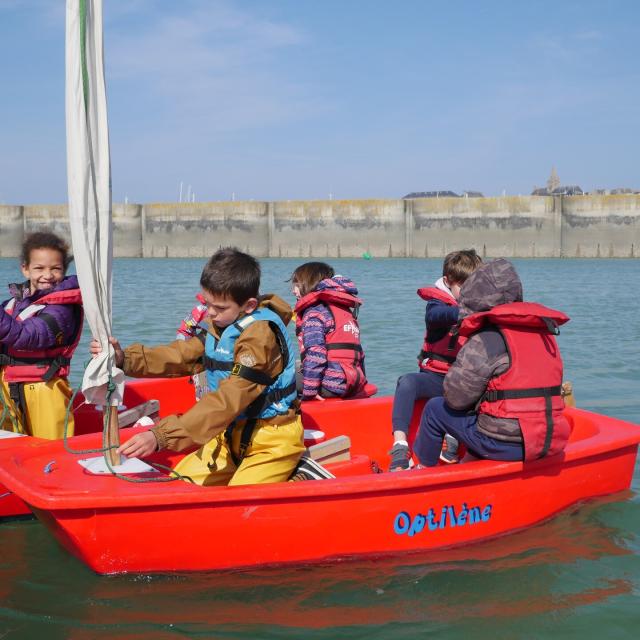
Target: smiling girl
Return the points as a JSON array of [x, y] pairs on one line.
[[40, 326]]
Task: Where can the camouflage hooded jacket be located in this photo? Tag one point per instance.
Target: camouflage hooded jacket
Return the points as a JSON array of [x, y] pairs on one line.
[[484, 355]]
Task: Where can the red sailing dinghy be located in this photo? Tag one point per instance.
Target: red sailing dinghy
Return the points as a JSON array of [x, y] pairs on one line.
[[116, 526]]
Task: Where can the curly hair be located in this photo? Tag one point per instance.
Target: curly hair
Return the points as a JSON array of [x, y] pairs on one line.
[[45, 240]]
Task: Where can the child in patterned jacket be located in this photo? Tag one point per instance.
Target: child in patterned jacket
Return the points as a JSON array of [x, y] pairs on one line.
[[328, 332]]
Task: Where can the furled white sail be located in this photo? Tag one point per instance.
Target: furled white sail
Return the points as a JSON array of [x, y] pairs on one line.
[[89, 186]]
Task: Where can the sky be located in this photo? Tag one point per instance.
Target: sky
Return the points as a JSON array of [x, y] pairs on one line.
[[316, 99]]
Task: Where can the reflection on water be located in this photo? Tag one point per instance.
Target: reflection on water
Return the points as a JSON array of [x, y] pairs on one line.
[[578, 561], [574, 576]]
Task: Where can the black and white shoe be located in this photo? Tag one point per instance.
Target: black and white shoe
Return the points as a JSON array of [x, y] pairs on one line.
[[400, 457], [309, 469], [449, 452]]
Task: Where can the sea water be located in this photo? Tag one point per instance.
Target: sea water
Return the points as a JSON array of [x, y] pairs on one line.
[[575, 576]]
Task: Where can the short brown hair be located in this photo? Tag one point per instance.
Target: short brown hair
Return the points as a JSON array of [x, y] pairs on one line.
[[308, 275], [45, 240], [232, 274], [459, 265]]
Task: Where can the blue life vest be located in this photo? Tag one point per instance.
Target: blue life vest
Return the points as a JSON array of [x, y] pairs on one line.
[[280, 392]]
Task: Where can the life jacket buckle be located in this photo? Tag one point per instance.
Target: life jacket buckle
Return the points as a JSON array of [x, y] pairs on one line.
[[235, 370]]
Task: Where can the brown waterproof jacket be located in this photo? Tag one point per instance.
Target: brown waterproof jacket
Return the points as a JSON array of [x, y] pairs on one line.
[[256, 347]]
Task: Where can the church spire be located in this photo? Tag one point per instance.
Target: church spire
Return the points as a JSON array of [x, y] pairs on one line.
[[553, 182]]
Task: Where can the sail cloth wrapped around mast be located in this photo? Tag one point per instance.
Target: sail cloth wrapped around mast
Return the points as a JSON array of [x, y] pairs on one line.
[[89, 186]]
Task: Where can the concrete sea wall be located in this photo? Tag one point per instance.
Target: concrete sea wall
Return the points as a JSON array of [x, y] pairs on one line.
[[601, 226], [510, 226]]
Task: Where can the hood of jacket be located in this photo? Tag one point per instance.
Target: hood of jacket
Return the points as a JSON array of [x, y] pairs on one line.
[[337, 283], [492, 284]]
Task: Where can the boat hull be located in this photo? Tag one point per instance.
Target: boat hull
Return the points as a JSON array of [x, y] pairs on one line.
[[304, 529], [115, 526], [11, 506]]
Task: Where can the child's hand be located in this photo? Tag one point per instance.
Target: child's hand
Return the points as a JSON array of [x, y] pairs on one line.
[[139, 446], [95, 349], [317, 397]]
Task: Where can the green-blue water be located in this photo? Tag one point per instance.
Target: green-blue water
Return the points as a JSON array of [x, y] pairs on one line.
[[576, 576]]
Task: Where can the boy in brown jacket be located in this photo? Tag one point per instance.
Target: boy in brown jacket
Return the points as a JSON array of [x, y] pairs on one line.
[[248, 428]]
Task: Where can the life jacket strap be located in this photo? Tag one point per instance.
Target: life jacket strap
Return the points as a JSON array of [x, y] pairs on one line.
[[252, 375], [238, 369], [496, 395], [552, 325], [453, 338], [245, 439], [344, 346], [211, 364], [266, 399], [548, 417], [16, 393], [536, 392], [54, 364]]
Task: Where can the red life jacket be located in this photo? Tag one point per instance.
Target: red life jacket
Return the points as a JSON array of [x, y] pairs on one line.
[[343, 343], [530, 389], [190, 325], [44, 364], [438, 355]]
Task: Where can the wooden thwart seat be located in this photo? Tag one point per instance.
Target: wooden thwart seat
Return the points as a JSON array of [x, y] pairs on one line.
[[334, 450], [335, 455], [150, 408]]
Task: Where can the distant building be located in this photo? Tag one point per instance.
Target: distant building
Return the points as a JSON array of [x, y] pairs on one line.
[[621, 190], [568, 190], [562, 190], [540, 191], [614, 192], [472, 194], [431, 194]]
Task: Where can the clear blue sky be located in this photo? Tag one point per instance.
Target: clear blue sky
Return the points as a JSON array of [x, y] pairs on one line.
[[297, 99]]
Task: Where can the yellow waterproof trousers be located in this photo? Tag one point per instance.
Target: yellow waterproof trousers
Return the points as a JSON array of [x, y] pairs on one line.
[[45, 408], [272, 455]]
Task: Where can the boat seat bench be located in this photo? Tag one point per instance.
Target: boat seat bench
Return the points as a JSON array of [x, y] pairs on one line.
[[149, 408], [358, 465]]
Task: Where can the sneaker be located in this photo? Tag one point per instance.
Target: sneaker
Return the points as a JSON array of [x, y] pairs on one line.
[[309, 469], [449, 453], [400, 457]]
